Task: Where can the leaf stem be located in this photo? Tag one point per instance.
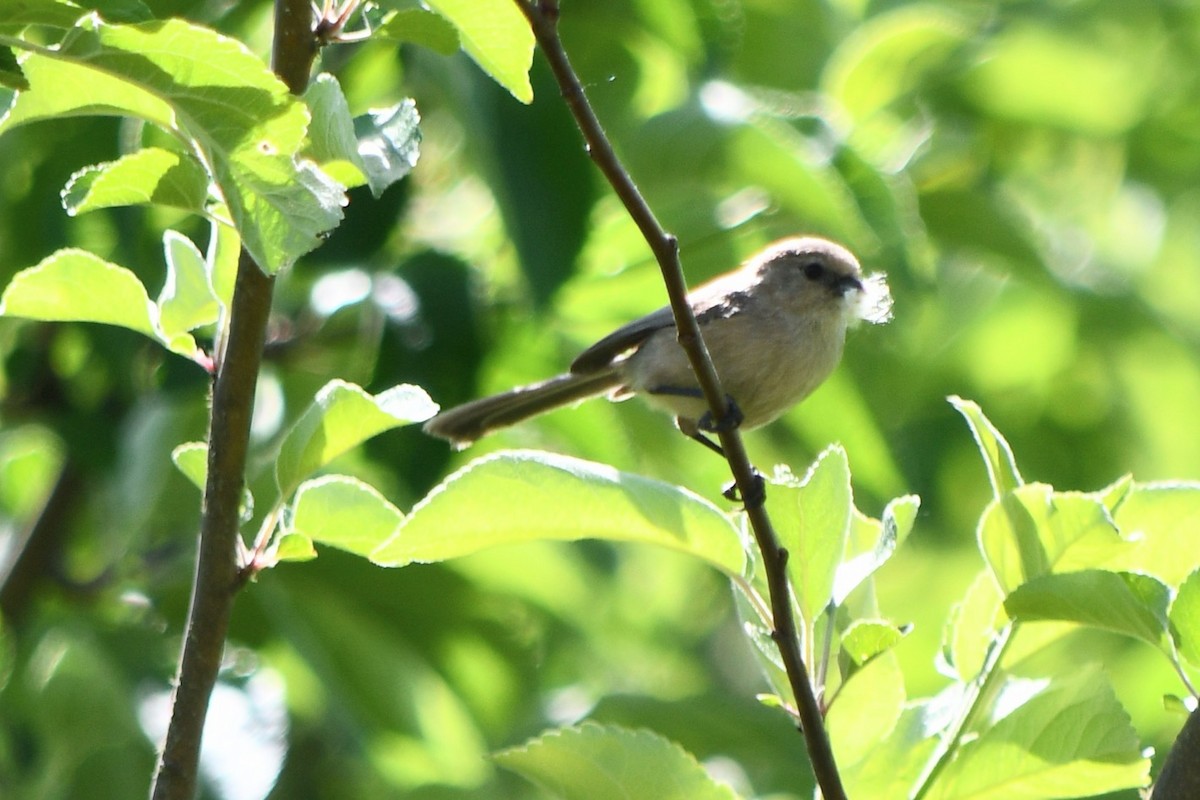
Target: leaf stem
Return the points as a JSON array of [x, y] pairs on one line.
[[978, 690], [217, 579], [543, 19]]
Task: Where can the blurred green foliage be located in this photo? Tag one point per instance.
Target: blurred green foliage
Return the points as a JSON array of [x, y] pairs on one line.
[[1024, 172]]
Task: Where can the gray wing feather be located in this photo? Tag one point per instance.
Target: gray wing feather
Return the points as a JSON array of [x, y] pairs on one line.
[[709, 301], [602, 354]]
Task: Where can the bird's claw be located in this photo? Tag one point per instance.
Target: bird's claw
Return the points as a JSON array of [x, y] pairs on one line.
[[755, 498], [730, 419]]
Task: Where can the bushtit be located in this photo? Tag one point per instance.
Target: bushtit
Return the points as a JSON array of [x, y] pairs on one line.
[[774, 327]]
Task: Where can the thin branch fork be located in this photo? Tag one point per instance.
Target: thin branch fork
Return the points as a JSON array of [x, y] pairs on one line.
[[543, 19]]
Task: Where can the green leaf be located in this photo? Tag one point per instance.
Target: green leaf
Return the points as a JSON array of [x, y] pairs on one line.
[[972, 627], [497, 36], [77, 286], [389, 142], [896, 762], [1162, 518], [17, 14], [333, 143], [418, 26], [379, 147], [1069, 737], [865, 639], [1124, 602], [294, 547], [215, 95], [10, 71], [186, 301], [191, 458], [997, 455], [1034, 531], [598, 762], [526, 495], [866, 709], [860, 562], [224, 251], [150, 176], [343, 416], [1185, 619], [343, 512], [812, 518], [120, 10]]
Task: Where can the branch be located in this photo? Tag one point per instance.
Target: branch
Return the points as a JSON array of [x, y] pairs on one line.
[[1180, 776], [217, 580], [543, 18]]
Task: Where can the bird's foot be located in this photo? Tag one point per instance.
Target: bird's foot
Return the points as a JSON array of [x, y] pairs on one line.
[[730, 419], [755, 497]]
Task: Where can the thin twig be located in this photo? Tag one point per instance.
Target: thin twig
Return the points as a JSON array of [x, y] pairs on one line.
[[543, 18], [217, 579]]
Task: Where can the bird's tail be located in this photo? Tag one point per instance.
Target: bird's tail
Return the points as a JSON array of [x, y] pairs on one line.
[[464, 424]]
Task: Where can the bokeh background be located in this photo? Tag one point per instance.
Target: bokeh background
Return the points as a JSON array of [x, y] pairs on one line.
[[1024, 172]]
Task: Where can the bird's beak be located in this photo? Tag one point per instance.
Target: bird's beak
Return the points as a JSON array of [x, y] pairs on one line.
[[847, 283]]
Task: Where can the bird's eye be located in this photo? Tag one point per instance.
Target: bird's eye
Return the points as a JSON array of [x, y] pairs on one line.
[[813, 270]]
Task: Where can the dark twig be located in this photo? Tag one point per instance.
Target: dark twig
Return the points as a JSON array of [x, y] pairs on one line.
[[217, 578], [543, 18]]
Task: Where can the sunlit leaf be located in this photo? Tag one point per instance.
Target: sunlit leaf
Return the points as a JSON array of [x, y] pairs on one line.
[[418, 26], [972, 627], [525, 495], [1124, 602], [343, 512], [77, 286], [186, 301], [333, 143], [214, 94], [860, 562], [149, 176], [222, 256], [191, 459], [294, 547], [379, 147], [865, 639], [893, 765], [812, 519], [343, 416], [497, 36], [389, 142], [865, 709], [593, 761], [1162, 520], [997, 455], [1070, 737], [1185, 619], [1034, 531]]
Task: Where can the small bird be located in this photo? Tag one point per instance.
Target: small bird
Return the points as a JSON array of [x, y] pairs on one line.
[[774, 327]]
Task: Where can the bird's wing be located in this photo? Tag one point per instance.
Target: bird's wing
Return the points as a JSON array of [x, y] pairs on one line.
[[604, 352], [712, 300]]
